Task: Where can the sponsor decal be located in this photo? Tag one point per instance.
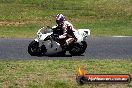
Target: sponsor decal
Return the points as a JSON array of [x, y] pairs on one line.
[[83, 78]]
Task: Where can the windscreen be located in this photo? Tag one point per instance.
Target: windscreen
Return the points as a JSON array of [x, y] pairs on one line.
[[45, 30]]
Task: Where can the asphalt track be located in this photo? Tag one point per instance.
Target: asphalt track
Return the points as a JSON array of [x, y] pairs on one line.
[[98, 48]]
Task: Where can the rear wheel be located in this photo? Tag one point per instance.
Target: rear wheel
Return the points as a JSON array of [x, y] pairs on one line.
[[75, 50], [83, 46], [78, 48]]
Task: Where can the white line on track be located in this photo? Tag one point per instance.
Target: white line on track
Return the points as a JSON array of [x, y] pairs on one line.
[[121, 36]]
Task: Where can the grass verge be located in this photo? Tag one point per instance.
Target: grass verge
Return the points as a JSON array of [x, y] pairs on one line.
[[103, 17], [58, 73]]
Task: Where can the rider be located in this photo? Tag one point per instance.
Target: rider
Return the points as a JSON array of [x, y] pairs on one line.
[[67, 28]]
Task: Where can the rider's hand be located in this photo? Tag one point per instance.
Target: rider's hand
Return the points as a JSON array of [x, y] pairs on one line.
[[62, 36]]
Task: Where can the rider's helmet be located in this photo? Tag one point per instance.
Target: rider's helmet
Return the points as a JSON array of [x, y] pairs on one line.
[[59, 19]]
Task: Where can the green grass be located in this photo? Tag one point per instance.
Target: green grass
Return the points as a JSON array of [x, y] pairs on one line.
[[22, 19], [58, 73], [26, 31], [103, 17]]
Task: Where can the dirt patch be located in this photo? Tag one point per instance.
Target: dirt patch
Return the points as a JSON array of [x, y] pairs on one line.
[[17, 23], [24, 22], [11, 23]]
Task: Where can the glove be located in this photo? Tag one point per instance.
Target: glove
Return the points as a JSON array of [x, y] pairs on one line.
[[61, 36]]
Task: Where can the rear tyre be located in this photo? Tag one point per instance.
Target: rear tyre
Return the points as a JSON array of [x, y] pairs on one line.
[[78, 49], [75, 50], [83, 47], [33, 48]]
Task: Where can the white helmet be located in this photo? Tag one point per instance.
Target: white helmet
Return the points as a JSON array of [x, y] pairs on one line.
[[60, 18]]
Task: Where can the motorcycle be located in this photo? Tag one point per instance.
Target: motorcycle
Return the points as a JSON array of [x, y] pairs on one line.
[[46, 43]]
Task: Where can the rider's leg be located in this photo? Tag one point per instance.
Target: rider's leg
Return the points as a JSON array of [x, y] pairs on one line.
[[70, 41]]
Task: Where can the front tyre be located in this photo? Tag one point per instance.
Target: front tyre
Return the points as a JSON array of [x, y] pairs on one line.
[[33, 48]]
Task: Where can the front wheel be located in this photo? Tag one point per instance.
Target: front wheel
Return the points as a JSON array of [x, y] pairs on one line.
[[33, 48]]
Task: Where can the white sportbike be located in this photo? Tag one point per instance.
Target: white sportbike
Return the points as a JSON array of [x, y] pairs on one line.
[[47, 43]]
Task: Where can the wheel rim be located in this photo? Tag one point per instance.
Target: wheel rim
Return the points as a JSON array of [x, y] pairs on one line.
[[33, 50]]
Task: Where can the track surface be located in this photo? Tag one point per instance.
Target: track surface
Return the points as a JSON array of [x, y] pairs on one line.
[[98, 48]]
